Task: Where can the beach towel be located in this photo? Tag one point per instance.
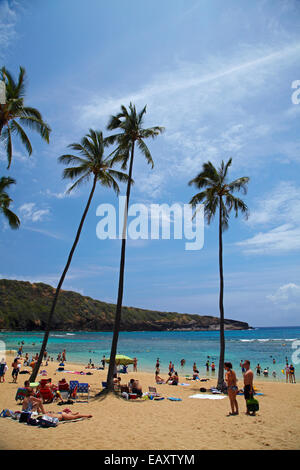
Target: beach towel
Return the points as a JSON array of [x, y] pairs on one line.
[[174, 399], [71, 421], [6, 413], [185, 385], [208, 397], [48, 421]]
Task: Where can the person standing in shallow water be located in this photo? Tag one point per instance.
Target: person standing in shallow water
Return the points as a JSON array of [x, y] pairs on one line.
[[232, 388]]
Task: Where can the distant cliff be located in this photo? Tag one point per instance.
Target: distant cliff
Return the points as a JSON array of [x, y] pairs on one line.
[[25, 306]]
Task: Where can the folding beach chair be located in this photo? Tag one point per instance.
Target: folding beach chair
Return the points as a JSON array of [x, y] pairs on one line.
[[84, 388], [73, 388], [21, 394], [153, 391]]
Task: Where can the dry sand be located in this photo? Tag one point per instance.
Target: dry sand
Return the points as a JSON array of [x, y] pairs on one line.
[[189, 424]]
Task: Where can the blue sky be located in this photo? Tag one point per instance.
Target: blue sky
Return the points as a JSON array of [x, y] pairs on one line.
[[218, 76]]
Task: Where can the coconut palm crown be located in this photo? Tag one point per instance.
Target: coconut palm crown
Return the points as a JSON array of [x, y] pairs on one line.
[[14, 115], [5, 202]]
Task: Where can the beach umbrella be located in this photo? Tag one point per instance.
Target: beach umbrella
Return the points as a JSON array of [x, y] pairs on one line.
[[122, 360]]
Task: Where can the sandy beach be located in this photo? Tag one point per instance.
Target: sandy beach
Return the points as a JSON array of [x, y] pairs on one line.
[[190, 424]]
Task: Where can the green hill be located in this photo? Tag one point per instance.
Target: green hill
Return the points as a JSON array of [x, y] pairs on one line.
[[25, 306]]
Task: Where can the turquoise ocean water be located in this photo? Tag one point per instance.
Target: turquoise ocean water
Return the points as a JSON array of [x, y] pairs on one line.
[[259, 345]]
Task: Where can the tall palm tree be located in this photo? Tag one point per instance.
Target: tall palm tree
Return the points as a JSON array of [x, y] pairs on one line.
[[130, 122], [217, 192], [13, 115], [91, 164], [5, 202]]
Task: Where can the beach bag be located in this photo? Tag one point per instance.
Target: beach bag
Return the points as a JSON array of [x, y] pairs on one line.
[[32, 422], [252, 404], [48, 421], [132, 396], [24, 416]]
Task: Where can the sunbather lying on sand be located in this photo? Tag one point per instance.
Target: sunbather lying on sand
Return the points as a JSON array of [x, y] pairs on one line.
[[66, 415]]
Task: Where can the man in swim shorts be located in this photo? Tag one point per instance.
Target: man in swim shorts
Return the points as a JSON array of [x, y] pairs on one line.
[[248, 383]]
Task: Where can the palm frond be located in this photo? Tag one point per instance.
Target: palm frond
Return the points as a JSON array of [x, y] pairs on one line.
[[8, 145], [151, 132], [37, 125], [145, 151], [83, 179], [23, 136], [67, 159], [5, 182], [120, 176], [74, 172], [31, 112], [228, 164], [239, 184], [20, 88], [198, 198], [12, 218], [106, 179]]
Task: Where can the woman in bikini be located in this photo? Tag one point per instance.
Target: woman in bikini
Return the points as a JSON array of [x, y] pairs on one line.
[[67, 415], [231, 381]]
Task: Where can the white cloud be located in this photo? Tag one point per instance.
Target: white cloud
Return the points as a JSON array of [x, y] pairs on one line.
[[47, 233], [211, 110], [282, 204], [59, 195], [279, 213], [189, 77], [280, 240], [29, 212], [287, 296], [8, 20]]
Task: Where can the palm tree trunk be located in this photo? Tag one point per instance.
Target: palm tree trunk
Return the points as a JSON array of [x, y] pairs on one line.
[[110, 374], [221, 307], [47, 332]]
